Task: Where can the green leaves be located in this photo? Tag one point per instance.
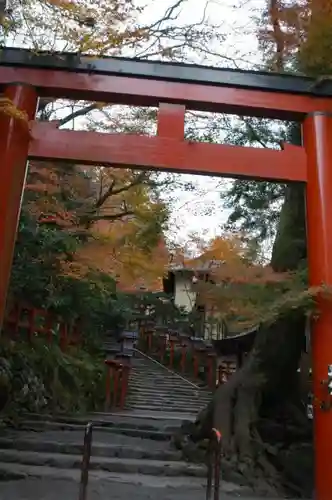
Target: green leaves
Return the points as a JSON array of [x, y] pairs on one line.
[[255, 207], [37, 278], [37, 377]]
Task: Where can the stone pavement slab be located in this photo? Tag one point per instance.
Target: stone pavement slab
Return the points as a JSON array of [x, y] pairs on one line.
[[100, 489], [77, 436], [111, 464], [166, 417], [161, 434], [135, 418]]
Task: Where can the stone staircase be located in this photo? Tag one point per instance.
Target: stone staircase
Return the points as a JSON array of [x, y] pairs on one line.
[[132, 457], [110, 345], [153, 387]]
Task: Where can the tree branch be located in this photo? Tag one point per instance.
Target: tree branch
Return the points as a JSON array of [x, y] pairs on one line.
[[112, 217], [113, 192], [277, 35], [76, 114]]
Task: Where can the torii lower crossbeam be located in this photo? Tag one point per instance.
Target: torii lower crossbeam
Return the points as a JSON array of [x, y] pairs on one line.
[[167, 153], [175, 88]]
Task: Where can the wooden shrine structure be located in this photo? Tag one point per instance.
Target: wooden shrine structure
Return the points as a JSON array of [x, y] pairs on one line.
[[173, 88]]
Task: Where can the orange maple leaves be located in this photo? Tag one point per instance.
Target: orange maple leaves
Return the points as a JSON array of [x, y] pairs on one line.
[[301, 29]]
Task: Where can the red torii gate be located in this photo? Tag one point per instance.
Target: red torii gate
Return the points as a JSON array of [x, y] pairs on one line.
[[174, 88]]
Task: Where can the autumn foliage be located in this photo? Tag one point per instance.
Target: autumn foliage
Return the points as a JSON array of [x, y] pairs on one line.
[[239, 290], [297, 34], [112, 213]]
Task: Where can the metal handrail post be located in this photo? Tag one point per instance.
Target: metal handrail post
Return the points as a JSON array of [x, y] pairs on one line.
[[214, 465], [85, 461]]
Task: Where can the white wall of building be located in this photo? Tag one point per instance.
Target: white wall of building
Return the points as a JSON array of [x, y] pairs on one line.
[[184, 295]]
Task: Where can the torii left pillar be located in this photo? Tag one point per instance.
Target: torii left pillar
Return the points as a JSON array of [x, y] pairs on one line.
[[14, 148]]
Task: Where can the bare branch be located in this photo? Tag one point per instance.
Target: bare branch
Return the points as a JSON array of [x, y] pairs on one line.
[[113, 192], [112, 217], [80, 112]]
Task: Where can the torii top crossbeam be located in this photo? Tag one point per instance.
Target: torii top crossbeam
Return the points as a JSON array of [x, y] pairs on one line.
[[147, 83], [173, 88]]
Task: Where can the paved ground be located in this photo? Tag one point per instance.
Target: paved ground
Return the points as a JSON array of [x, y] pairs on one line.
[[53, 489], [76, 436]]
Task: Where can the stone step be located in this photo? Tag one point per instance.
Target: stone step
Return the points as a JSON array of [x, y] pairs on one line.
[[147, 407], [159, 376], [155, 383], [123, 465], [163, 376], [166, 408], [20, 471], [166, 398], [174, 392], [159, 371], [105, 419], [166, 401], [156, 435], [121, 420], [168, 372], [168, 388], [40, 445]]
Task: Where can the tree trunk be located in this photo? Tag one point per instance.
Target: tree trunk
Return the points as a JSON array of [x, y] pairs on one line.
[[266, 388]]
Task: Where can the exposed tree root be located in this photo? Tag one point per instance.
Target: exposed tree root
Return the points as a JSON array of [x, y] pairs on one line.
[[264, 386]]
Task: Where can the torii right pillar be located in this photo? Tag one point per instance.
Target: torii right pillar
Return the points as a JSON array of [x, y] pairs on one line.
[[317, 140]]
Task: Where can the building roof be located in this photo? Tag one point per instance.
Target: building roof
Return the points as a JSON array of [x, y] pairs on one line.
[[197, 265]]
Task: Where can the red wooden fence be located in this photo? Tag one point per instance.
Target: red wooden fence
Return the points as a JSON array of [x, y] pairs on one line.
[[29, 322]]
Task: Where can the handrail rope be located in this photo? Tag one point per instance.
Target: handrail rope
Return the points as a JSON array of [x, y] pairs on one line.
[[170, 371]]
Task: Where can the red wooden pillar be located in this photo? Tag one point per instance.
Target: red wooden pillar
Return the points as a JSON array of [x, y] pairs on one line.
[[220, 375], [124, 384], [14, 146], [172, 342], [317, 132], [116, 382], [149, 335], [32, 314], [163, 346], [113, 369], [196, 362], [183, 357], [49, 322], [63, 331], [211, 359]]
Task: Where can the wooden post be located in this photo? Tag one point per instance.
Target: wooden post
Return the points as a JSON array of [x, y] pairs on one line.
[[124, 384], [172, 342], [108, 386], [196, 363], [14, 147], [183, 357], [211, 357], [317, 132]]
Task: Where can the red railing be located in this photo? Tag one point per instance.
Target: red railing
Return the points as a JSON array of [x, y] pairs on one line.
[[24, 321], [192, 355], [117, 381]]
